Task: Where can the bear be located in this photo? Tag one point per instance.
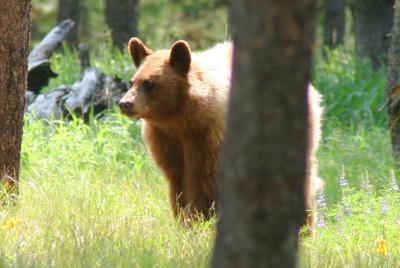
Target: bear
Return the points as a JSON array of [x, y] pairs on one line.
[[182, 99]]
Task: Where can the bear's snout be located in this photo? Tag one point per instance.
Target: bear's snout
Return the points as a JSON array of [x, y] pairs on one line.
[[126, 106]]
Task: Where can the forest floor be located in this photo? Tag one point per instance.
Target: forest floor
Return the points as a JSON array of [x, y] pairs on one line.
[[90, 196]]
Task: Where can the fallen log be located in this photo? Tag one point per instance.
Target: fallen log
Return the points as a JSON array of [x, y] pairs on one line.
[[39, 71], [49, 105], [93, 93]]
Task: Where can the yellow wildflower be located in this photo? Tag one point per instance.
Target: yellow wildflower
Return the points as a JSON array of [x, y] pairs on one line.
[[382, 247], [11, 223]]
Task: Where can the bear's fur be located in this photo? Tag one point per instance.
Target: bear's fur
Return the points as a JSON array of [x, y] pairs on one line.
[[182, 98]]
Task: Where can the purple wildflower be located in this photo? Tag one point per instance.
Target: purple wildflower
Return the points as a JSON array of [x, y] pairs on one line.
[[385, 206]]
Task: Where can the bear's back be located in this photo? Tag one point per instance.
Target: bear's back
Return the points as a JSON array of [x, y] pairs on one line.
[[216, 64], [209, 77]]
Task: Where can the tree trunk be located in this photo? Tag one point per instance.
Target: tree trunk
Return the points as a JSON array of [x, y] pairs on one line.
[[334, 23], [373, 21], [14, 42], [70, 9], [121, 17], [262, 179], [393, 83]]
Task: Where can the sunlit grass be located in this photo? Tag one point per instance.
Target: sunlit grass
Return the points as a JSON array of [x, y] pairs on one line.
[[361, 231], [89, 196]]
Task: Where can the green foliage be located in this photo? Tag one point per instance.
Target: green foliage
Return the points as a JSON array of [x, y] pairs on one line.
[[353, 92], [110, 61], [201, 23]]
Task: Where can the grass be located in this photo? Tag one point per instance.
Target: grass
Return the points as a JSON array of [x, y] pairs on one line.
[[352, 231], [91, 197]]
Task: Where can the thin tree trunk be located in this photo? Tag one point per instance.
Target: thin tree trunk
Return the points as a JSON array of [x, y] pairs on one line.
[[70, 9], [393, 83], [122, 17], [334, 23], [262, 180], [373, 21], [14, 42]]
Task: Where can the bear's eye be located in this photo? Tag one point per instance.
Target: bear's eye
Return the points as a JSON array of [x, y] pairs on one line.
[[148, 85]]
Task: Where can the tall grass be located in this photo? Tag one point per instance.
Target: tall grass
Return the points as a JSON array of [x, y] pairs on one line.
[[89, 196]]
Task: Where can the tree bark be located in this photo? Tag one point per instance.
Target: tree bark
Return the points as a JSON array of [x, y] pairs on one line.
[[121, 17], [14, 44], [334, 23], [373, 21], [70, 9], [262, 179], [393, 83]]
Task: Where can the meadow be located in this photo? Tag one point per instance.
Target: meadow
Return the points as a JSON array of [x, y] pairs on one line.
[[90, 196]]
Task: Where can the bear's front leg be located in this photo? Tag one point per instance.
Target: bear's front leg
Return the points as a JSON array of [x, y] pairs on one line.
[[199, 184], [167, 152]]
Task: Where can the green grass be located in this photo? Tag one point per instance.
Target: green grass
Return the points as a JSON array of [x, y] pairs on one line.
[[350, 240], [90, 196], [360, 154]]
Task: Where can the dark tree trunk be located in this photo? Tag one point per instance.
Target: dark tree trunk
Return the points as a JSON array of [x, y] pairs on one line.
[[70, 9], [334, 23], [393, 83], [14, 43], [121, 17], [262, 180], [373, 21]]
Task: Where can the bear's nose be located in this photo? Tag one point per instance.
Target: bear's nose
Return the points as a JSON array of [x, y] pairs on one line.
[[126, 106]]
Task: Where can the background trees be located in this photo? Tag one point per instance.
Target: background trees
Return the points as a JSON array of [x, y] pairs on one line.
[[201, 22], [260, 197], [122, 17], [393, 83], [14, 41], [334, 22], [373, 21]]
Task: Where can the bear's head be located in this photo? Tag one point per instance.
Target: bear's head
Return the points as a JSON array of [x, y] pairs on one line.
[[160, 84]]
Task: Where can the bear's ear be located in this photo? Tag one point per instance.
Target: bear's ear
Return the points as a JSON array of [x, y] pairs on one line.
[[180, 57], [138, 51]]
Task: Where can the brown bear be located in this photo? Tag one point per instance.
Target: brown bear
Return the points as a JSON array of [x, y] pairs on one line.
[[182, 98]]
